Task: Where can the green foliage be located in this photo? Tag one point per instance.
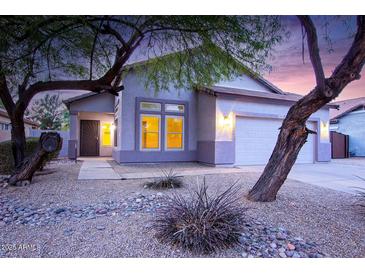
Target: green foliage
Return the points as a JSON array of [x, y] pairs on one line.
[[65, 120], [170, 179], [208, 48], [49, 112], [217, 48], [6, 155]]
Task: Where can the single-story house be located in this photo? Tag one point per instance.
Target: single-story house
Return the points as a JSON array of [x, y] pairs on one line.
[[349, 119], [5, 126], [231, 123]]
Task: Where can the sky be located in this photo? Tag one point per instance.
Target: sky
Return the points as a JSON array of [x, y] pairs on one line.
[[289, 72], [291, 75]]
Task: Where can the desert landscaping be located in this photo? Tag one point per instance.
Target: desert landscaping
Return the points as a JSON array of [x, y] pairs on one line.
[[60, 216]]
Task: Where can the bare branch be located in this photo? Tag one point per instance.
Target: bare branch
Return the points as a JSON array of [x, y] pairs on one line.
[[313, 48]]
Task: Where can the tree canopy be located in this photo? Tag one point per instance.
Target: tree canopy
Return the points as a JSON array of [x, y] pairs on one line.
[[207, 48]]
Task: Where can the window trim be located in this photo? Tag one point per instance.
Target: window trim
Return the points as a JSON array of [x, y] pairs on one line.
[[182, 134], [141, 132], [163, 113]]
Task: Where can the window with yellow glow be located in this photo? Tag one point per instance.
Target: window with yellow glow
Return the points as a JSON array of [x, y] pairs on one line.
[[106, 134], [174, 132], [150, 129]]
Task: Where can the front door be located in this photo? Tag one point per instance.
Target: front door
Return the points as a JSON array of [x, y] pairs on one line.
[[89, 137]]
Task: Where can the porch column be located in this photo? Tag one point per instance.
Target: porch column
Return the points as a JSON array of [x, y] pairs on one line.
[[72, 143]]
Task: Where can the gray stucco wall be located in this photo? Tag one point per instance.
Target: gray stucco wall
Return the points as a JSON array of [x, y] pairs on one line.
[[206, 141], [134, 89], [246, 82], [97, 103], [353, 124]]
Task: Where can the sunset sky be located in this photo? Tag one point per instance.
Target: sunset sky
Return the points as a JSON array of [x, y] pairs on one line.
[[291, 75]]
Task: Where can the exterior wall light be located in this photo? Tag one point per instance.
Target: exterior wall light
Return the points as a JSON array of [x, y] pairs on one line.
[[324, 131], [224, 127]]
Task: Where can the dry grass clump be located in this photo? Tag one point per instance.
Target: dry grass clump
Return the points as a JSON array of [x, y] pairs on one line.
[[360, 202], [201, 223], [170, 179]]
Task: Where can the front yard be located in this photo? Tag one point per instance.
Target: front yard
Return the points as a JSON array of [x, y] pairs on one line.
[[58, 216]]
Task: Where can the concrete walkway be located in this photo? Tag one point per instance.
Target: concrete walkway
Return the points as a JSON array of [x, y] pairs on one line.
[[192, 172], [341, 176], [97, 169]]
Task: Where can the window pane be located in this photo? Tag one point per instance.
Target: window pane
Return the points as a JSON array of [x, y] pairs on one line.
[[150, 132], [106, 134], [150, 123], [174, 132], [174, 108], [174, 141], [150, 106], [174, 124], [150, 140]]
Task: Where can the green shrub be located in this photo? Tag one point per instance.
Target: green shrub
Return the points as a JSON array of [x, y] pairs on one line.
[[6, 155]]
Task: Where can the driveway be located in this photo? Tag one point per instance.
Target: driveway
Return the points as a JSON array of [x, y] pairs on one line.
[[346, 175]]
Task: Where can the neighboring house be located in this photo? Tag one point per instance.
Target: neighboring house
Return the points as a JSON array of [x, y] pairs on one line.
[[5, 126], [350, 120], [232, 123]]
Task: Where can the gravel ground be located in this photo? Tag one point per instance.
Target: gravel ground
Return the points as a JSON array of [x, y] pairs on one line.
[[312, 213]]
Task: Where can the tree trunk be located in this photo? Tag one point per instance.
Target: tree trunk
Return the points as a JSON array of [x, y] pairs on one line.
[[293, 133], [286, 151], [18, 141], [48, 142]]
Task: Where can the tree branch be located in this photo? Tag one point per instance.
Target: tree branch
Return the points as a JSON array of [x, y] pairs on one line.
[[313, 48], [93, 49], [91, 85], [107, 29], [103, 83], [5, 95], [353, 62]]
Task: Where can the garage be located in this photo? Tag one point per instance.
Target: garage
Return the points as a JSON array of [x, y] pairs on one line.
[[255, 139]]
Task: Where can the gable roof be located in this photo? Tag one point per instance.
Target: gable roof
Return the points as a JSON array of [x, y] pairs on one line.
[[249, 72], [346, 107], [287, 96], [4, 114], [68, 101]]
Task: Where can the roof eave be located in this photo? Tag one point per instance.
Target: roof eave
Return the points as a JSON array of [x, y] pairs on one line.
[[347, 111], [256, 95]]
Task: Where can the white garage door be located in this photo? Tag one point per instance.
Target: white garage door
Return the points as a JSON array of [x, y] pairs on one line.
[[256, 137]]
